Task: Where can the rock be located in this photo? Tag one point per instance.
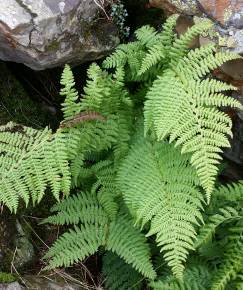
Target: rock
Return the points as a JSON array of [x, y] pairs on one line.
[[227, 16], [189, 7], [16, 251], [48, 33], [51, 282], [225, 12], [24, 253], [11, 286]]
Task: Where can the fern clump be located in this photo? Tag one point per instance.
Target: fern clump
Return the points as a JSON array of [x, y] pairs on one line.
[[183, 102], [138, 152]]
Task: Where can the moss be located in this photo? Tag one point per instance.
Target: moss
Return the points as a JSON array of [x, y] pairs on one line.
[[7, 277], [54, 45]]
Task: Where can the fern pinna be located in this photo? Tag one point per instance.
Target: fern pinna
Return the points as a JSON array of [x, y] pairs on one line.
[[151, 207]]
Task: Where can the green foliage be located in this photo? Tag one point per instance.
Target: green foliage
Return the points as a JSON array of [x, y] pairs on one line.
[[171, 200], [119, 275], [7, 277], [181, 104], [134, 194], [31, 160], [232, 262], [196, 277], [95, 230], [119, 14]]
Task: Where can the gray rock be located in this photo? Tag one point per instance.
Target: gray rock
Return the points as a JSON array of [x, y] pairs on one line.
[[51, 282], [11, 286], [24, 250], [49, 33], [16, 250]]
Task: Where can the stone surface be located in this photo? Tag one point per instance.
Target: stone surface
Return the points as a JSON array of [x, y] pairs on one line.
[[48, 33], [11, 286], [51, 282], [227, 16], [226, 12], [189, 7], [15, 248]]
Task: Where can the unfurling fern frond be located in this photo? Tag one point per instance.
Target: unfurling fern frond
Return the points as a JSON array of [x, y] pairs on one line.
[[119, 275], [233, 259], [159, 186], [31, 160]]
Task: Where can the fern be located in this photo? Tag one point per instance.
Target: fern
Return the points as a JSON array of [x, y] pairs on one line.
[[233, 259], [225, 215], [70, 106], [196, 277], [31, 160], [119, 275], [170, 198], [96, 230], [133, 194], [179, 106], [183, 103]]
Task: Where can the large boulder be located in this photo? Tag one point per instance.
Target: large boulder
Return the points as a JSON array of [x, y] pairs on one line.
[[48, 33]]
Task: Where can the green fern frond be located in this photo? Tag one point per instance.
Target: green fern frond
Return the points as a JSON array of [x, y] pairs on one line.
[[128, 243], [155, 55], [97, 89], [105, 187], [83, 207], [168, 35], [231, 192], [162, 190], [196, 277], [180, 45], [119, 275], [70, 107], [233, 259], [75, 245], [179, 107], [207, 231], [147, 35], [31, 160], [92, 229]]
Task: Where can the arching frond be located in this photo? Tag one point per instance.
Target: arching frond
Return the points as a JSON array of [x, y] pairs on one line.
[[162, 190]]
